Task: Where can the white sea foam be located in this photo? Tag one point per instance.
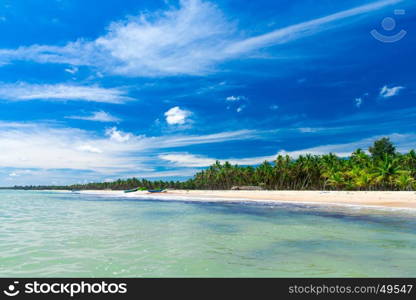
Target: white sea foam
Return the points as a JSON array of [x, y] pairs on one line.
[[362, 208]]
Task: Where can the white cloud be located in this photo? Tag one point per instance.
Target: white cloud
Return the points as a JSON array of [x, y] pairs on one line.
[[25, 91], [98, 116], [300, 30], [189, 40], [89, 148], [187, 160], [235, 98], [241, 108], [117, 135], [387, 92], [405, 143], [69, 148], [4, 124], [184, 40], [77, 53], [177, 116], [181, 141], [308, 129], [191, 160], [358, 102], [58, 148], [177, 41], [71, 70], [20, 173]]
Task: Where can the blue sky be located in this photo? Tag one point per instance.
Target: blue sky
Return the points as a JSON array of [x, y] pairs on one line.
[[99, 90]]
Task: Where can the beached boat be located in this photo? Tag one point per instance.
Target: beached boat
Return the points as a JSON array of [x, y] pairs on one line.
[[247, 188], [157, 191], [132, 190]]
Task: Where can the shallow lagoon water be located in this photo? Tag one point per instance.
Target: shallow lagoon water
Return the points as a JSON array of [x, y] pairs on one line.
[[48, 234]]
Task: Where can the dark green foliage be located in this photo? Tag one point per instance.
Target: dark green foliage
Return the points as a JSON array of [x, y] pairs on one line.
[[382, 147]]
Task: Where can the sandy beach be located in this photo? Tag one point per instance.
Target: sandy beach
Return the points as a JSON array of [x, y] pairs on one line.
[[377, 199]]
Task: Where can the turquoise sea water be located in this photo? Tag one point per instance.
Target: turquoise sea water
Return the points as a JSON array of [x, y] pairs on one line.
[[72, 235]]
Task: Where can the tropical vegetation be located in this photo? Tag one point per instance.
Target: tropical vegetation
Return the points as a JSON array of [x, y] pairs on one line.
[[379, 168]]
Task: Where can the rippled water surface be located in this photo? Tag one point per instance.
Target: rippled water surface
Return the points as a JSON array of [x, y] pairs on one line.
[[63, 234]]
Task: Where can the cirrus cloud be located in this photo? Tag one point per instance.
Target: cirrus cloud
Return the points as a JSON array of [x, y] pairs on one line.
[[22, 91], [54, 147], [98, 116], [387, 92], [189, 40], [235, 98], [405, 142]]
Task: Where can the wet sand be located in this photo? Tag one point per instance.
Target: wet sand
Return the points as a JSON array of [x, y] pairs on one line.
[[387, 199]]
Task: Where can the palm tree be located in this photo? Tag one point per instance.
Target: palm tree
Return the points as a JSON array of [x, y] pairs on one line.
[[385, 170], [336, 180], [404, 180], [363, 180]]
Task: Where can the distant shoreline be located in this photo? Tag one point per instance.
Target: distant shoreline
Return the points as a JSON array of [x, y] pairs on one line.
[[380, 199]]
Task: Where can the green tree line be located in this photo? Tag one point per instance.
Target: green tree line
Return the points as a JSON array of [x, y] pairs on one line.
[[381, 168]]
